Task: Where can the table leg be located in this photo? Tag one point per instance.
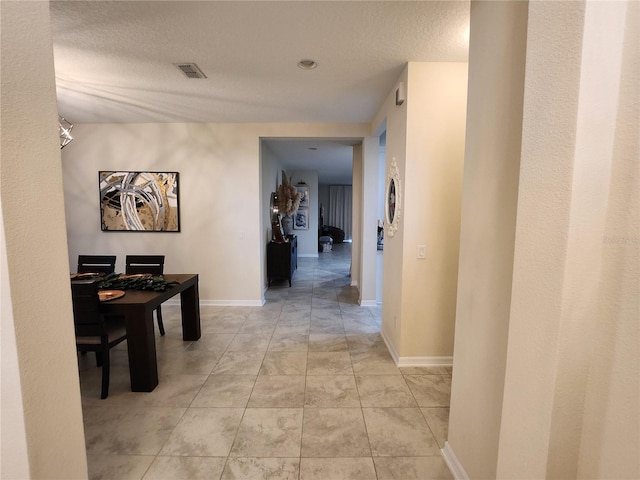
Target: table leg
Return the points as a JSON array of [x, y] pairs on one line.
[[141, 345], [190, 305]]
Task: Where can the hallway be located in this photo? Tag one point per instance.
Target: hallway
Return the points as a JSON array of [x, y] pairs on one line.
[[302, 388]]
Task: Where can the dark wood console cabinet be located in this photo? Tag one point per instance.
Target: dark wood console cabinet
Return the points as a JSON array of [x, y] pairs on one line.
[[282, 259]]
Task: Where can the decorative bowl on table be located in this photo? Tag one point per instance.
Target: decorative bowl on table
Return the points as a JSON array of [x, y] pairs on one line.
[[106, 295]]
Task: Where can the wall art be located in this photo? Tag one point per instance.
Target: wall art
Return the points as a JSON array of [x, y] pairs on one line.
[[301, 219], [303, 190], [139, 201]]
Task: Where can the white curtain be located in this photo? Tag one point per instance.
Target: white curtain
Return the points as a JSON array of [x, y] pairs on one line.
[[340, 206]]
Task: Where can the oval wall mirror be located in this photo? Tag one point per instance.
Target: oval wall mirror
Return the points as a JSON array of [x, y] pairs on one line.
[[393, 199]]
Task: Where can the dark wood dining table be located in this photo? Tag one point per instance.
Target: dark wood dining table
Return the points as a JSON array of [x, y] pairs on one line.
[[137, 307]]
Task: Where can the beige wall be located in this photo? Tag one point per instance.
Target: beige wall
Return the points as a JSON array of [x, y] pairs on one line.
[[436, 112], [567, 376], [489, 201], [220, 186], [36, 258], [396, 121], [425, 136], [580, 133]]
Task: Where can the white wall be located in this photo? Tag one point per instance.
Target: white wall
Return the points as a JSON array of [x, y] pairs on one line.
[[222, 197], [13, 436], [369, 221], [270, 168], [35, 281]]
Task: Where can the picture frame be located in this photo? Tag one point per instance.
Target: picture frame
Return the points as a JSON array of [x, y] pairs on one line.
[[139, 201], [301, 219], [393, 199], [303, 190]]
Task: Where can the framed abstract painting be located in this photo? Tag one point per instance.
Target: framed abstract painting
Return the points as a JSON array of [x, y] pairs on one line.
[[139, 201]]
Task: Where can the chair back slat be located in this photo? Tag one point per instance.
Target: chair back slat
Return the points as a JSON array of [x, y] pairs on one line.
[[96, 263], [145, 264], [86, 309]]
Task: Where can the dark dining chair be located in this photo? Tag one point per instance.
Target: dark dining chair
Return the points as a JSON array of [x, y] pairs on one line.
[[153, 264], [96, 263], [95, 332]]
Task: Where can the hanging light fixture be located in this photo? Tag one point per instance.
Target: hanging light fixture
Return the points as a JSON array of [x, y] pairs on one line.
[[65, 131]]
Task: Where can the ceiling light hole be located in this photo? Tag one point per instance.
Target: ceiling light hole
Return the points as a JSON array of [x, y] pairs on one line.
[[307, 64]]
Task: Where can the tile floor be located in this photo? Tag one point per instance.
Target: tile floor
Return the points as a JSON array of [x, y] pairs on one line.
[[302, 388]]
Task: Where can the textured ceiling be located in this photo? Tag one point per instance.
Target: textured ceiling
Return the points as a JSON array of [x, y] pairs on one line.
[[114, 61]]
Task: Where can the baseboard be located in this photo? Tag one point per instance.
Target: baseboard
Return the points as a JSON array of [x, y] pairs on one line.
[[390, 347], [455, 467], [414, 361], [224, 303], [425, 361], [308, 255], [368, 303]]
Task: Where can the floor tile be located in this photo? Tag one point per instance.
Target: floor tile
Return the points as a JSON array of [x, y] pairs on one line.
[[248, 342], [233, 404], [187, 362], [225, 391], [284, 363], [374, 362], [214, 342], [329, 363], [172, 391], [427, 370], [365, 342], [191, 468], [269, 432], [331, 391], [284, 329], [337, 469], [412, 468], [430, 390], [399, 432], [262, 469], [327, 342], [334, 432], [125, 467], [258, 327], [438, 421], [220, 325], [335, 327], [239, 363], [289, 342], [278, 391], [384, 391], [194, 435], [133, 431]]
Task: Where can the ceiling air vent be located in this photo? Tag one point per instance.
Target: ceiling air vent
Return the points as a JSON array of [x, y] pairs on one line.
[[191, 70]]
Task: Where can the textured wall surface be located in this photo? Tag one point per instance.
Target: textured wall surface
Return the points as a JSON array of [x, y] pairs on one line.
[[36, 245]]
